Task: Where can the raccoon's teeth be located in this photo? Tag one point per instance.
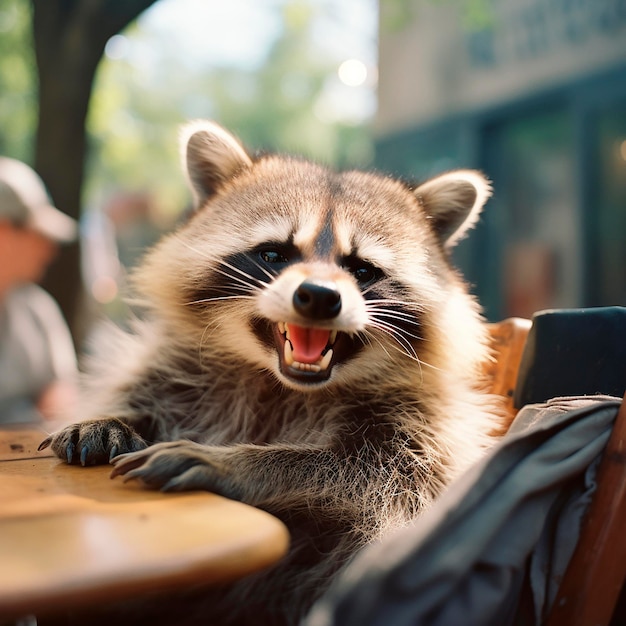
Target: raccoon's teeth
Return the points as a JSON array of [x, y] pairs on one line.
[[333, 338], [322, 364], [307, 367], [282, 328], [325, 362], [288, 353]]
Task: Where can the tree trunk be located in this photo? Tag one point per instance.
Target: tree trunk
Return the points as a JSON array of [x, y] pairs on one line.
[[70, 36]]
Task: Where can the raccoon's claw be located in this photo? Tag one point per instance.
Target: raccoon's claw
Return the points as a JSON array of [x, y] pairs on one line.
[[96, 441], [176, 466], [45, 443], [124, 464], [83, 456]]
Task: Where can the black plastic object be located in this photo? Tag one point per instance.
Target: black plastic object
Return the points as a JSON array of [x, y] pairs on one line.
[[572, 352]]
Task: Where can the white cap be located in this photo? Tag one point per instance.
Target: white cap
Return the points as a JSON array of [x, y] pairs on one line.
[[25, 202]]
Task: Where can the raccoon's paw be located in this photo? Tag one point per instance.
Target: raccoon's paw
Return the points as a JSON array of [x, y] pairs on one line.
[[174, 466], [94, 442]]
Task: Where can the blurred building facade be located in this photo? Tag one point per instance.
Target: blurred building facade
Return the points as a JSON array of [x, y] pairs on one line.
[[533, 94]]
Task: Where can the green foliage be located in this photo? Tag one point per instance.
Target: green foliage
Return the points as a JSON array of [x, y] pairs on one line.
[[18, 80], [132, 127], [278, 111], [396, 14], [138, 106]]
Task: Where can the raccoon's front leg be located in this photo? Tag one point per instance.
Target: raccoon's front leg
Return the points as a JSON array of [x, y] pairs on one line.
[[275, 477], [94, 442], [175, 466]]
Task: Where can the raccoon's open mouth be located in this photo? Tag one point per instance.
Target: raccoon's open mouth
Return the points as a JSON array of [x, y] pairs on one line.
[[307, 354], [305, 350]]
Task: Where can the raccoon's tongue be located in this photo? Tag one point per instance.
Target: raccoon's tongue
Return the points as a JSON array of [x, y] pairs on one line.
[[307, 343]]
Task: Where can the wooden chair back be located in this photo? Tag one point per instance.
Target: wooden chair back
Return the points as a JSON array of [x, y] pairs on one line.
[[507, 345], [590, 591]]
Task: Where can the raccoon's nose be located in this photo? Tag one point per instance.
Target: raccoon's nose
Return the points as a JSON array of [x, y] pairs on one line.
[[317, 300]]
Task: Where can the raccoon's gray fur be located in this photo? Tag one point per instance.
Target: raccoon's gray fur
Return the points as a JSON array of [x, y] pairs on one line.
[[231, 375]]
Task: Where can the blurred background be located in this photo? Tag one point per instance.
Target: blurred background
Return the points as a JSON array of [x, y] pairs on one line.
[[532, 92]]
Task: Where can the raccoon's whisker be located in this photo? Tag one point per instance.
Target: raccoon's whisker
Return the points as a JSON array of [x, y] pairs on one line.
[[405, 317], [367, 337], [244, 289], [401, 338], [192, 248], [248, 278], [262, 283], [410, 353], [395, 334], [401, 349], [384, 305], [213, 324], [399, 315], [401, 332], [402, 317], [389, 303], [246, 275], [243, 286], [206, 334], [395, 328], [218, 298], [368, 289], [271, 275], [403, 344], [385, 301], [244, 278], [391, 330], [239, 283], [392, 301]]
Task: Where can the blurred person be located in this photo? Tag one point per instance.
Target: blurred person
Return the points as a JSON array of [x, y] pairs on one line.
[[133, 217], [38, 368], [115, 237]]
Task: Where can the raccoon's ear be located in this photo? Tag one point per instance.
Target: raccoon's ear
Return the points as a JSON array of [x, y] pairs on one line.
[[211, 156], [453, 201]]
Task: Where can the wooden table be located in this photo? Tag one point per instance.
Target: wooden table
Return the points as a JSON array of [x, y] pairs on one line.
[[70, 534]]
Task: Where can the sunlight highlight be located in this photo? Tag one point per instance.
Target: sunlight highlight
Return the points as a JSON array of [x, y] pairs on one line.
[[352, 73]]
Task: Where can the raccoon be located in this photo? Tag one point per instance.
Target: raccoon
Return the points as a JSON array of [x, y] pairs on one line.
[[309, 349]]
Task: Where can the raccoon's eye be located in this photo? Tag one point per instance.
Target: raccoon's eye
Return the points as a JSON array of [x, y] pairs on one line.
[[273, 256], [276, 255], [364, 272]]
